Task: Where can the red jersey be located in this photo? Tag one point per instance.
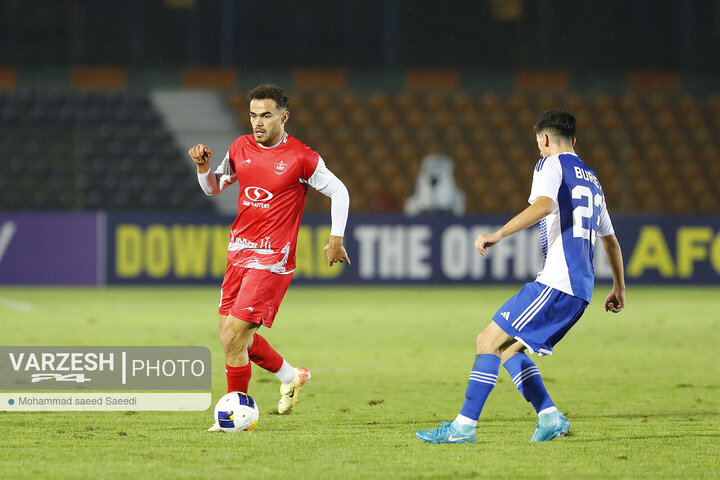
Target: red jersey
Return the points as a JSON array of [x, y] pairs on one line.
[[273, 187]]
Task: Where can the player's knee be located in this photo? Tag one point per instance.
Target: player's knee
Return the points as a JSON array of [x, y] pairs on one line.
[[492, 340], [234, 336], [227, 338], [485, 344]]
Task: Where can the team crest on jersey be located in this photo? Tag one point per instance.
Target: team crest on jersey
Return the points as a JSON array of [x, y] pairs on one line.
[[280, 167]]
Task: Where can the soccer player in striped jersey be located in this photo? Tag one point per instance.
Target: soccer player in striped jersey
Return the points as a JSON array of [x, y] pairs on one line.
[[568, 201]]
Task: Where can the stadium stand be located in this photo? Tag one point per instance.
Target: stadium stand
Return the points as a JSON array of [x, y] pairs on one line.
[[653, 152], [91, 150]]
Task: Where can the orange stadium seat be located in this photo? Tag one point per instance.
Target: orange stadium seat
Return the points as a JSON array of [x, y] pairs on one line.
[[416, 119], [576, 103], [8, 77], [473, 120], [432, 80], [653, 81], [350, 102], [490, 102], [462, 101], [98, 78], [435, 102], [542, 80], [221, 78], [387, 119], [708, 203], [693, 120], [303, 118], [320, 100], [359, 118], [333, 118], [334, 79], [546, 100]]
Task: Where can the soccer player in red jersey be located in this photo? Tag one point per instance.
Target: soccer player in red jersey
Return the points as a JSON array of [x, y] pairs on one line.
[[273, 171]]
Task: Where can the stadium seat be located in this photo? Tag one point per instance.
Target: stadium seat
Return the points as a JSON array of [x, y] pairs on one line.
[[101, 78], [432, 80], [221, 78]]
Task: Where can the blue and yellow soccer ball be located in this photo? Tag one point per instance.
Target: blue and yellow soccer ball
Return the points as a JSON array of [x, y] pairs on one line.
[[236, 411]]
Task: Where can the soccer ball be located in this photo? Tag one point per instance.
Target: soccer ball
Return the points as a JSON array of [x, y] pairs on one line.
[[236, 411]]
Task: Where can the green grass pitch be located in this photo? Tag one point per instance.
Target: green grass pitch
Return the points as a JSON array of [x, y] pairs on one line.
[[642, 388]]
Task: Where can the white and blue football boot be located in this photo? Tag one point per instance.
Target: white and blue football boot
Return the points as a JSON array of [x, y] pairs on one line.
[[448, 433], [551, 425]]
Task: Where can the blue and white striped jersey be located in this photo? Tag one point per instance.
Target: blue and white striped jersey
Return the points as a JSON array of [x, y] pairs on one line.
[[568, 234]]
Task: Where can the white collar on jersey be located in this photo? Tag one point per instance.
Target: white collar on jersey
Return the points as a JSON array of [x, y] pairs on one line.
[[282, 140]]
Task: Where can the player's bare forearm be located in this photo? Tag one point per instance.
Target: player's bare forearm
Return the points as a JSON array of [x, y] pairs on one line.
[[542, 207], [335, 251], [614, 255], [615, 302]]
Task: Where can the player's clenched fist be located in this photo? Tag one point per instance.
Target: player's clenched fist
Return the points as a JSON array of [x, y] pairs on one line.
[[201, 155]]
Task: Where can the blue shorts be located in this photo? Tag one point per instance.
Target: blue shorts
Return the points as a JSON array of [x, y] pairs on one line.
[[539, 316]]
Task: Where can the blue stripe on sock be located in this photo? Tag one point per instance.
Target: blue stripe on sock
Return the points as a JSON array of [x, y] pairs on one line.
[[528, 381], [482, 380]]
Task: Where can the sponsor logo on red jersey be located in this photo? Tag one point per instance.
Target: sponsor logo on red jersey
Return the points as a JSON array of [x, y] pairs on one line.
[[256, 197]]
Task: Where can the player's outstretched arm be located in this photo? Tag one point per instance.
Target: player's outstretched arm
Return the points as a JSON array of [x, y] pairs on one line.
[[335, 251], [615, 302], [542, 207]]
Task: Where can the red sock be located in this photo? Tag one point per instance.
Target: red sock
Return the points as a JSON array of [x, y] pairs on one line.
[[238, 378], [263, 355]]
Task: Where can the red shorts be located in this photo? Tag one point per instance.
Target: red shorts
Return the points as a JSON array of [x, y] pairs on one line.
[[252, 295]]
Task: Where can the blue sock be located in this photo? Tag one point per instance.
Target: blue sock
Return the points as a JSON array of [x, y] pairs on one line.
[[483, 378], [526, 377]]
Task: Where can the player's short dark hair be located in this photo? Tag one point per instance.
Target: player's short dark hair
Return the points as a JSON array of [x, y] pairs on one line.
[[556, 122], [272, 92]]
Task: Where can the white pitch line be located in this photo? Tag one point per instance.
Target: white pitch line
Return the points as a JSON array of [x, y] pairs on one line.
[[16, 304]]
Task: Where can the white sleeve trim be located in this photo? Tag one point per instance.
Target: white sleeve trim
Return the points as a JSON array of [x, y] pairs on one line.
[[225, 168], [208, 183], [605, 227], [547, 180], [325, 182]]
